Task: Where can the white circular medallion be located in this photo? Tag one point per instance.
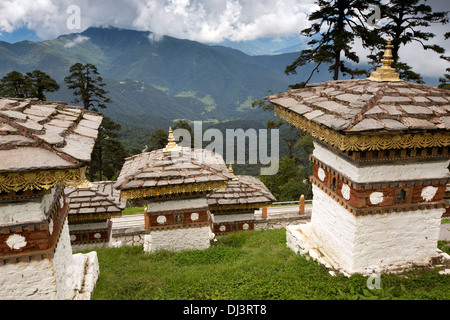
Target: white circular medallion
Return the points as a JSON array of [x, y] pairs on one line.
[[222, 228], [97, 235], [321, 174], [245, 226], [428, 193], [161, 219], [345, 190], [194, 216], [16, 241], [376, 197], [73, 237]]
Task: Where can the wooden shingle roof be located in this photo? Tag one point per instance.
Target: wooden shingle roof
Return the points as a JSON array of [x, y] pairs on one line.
[[38, 135], [88, 203], [161, 172]]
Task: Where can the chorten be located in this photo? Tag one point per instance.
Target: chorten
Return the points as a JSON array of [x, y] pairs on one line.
[[92, 205], [175, 182], [233, 207], [381, 153], [44, 146]]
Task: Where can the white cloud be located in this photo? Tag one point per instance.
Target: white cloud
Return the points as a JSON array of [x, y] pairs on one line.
[[77, 40], [217, 20], [200, 20]]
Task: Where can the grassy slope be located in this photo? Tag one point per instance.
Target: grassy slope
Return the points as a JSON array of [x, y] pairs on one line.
[[246, 265]]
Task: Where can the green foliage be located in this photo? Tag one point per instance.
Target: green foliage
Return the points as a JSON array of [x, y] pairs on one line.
[[133, 210], [406, 22], [87, 84], [333, 31], [245, 266], [290, 182], [109, 154], [31, 85], [444, 246]]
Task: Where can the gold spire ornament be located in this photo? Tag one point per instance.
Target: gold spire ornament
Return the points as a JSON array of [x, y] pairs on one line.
[[385, 72], [230, 170], [171, 146]]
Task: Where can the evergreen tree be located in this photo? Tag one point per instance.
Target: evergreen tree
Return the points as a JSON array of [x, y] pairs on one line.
[[88, 85], [336, 25], [41, 82], [406, 21], [158, 140], [14, 84], [445, 79], [31, 85], [109, 154]]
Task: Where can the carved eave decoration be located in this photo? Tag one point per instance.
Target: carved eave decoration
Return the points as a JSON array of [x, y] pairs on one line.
[[172, 190], [369, 142], [38, 180], [94, 216]]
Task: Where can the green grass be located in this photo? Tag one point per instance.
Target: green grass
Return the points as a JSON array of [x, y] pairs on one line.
[[133, 210], [245, 266]]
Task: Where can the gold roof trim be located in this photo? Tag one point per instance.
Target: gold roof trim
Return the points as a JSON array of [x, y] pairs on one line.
[[172, 189], [45, 179], [364, 142], [385, 72]]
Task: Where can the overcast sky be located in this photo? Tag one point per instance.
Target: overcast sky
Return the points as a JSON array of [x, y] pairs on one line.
[[199, 20]]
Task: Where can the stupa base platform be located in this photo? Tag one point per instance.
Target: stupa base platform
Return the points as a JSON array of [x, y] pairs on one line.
[[303, 240]]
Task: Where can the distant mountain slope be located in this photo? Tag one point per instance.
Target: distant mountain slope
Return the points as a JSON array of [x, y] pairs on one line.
[[160, 80], [190, 80]]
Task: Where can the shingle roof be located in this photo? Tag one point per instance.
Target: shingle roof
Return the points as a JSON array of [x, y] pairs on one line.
[[37, 135], [364, 106], [89, 200], [246, 190], [162, 169]]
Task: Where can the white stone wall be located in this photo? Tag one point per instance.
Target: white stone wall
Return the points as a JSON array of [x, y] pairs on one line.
[[419, 171], [372, 242], [131, 239], [63, 262], [27, 211], [178, 239], [28, 280], [62, 278], [390, 240]]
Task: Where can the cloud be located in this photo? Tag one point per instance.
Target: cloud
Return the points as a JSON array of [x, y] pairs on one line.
[[211, 21], [218, 20], [200, 20], [77, 40]]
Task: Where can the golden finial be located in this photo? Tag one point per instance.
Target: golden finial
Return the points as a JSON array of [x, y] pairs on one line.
[[84, 184], [230, 170], [171, 145], [385, 72]]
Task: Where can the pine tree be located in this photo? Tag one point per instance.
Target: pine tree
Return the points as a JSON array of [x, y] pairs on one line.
[[109, 154], [336, 25], [405, 22], [88, 85], [31, 85], [14, 85], [41, 82]]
